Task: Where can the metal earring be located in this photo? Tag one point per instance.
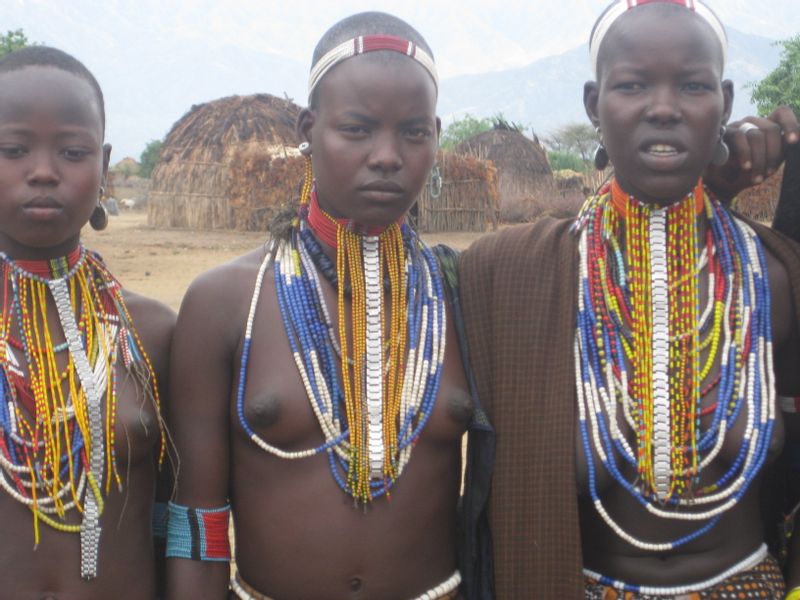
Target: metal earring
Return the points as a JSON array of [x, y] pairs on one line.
[[721, 153], [305, 149], [601, 159], [99, 218]]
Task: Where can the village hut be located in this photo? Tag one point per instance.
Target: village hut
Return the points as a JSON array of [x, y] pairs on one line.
[[460, 195], [194, 183], [524, 177]]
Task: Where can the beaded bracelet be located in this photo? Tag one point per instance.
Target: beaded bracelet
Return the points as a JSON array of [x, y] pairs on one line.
[[794, 593], [198, 533]]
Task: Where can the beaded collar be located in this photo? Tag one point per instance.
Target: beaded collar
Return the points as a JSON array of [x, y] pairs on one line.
[[57, 440], [373, 391], [654, 374]]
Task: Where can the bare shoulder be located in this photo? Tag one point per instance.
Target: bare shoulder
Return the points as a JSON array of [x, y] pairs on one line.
[[155, 323], [217, 301]]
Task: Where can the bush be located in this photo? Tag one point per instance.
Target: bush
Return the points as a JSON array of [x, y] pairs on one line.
[[565, 160]]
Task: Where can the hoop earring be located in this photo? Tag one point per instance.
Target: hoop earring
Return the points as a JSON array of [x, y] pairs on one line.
[[308, 175], [721, 153], [601, 159]]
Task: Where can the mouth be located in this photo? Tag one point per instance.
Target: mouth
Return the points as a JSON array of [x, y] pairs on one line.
[[661, 150], [42, 207], [663, 155], [382, 191], [386, 186]]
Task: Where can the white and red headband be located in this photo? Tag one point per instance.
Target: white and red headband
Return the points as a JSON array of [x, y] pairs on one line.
[[370, 43], [619, 8]]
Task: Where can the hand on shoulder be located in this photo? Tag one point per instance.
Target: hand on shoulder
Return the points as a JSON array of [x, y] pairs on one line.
[[758, 148]]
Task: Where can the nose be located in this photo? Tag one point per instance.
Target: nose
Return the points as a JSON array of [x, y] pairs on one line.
[[43, 170], [385, 154], [664, 107]]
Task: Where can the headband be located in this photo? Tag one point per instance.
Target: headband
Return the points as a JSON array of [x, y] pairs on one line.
[[370, 43], [619, 8]]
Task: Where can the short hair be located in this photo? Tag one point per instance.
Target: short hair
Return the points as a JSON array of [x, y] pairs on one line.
[[45, 56], [365, 23]]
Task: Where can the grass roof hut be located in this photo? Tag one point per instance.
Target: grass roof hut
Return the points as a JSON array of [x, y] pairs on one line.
[[524, 177], [759, 202], [193, 181], [460, 195]]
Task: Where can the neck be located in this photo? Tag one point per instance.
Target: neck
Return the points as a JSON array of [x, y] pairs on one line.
[[48, 268], [326, 227], [622, 200]]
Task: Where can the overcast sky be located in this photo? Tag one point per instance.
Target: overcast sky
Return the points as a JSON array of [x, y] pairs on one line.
[[467, 36]]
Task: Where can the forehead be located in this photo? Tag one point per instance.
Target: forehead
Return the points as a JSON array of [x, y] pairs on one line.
[[663, 33], [378, 77], [48, 93]]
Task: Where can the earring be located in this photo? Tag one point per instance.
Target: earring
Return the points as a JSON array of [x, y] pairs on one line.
[[99, 218], [601, 159], [308, 176], [721, 153]]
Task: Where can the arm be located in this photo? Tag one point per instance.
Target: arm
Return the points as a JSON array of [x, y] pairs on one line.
[[155, 325], [756, 152], [205, 342]]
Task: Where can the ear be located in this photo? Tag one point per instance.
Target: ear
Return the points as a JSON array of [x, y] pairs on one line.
[[591, 94], [305, 121], [106, 161], [727, 93]]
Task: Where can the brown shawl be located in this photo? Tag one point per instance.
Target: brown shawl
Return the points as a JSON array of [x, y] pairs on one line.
[[518, 290]]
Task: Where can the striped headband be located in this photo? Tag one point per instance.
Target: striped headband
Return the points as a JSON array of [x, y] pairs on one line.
[[369, 43], [619, 8]]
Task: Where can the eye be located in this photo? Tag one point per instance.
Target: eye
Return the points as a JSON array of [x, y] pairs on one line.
[[630, 87], [696, 87], [11, 151], [354, 130], [75, 154], [418, 133]]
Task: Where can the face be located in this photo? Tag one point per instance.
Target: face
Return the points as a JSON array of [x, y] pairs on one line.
[[660, 102], [373, 137], [52, 161]]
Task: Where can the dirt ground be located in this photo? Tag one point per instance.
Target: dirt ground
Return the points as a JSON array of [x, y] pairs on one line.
[[161, 263]]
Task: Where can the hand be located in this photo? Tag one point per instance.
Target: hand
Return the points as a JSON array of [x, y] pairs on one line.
[[757, 148]]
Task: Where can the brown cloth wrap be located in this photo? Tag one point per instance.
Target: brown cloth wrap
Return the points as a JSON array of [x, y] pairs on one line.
[[518, 292]]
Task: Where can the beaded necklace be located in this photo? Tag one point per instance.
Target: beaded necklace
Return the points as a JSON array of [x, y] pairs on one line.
[[372, 392], [638, 348], [57, 449]]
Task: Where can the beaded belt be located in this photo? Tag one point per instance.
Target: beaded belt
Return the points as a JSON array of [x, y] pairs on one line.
[[744, 565], [447, 590]]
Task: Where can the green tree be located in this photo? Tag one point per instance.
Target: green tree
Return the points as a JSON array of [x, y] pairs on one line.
[[781, 86], [12, 40], [560, 160], [150, 157], [463, 129], [578, 139]]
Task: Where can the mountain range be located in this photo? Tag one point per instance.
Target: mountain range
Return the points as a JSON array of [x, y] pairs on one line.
[[548, 92]]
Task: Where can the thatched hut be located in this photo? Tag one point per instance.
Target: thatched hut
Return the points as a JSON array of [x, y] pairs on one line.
[[461, 195], [192, 182], [524, 177], [759, 202]]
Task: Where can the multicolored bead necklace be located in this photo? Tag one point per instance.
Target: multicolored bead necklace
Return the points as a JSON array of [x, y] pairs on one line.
[[372, 396], [638, 348], [57, 449]]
